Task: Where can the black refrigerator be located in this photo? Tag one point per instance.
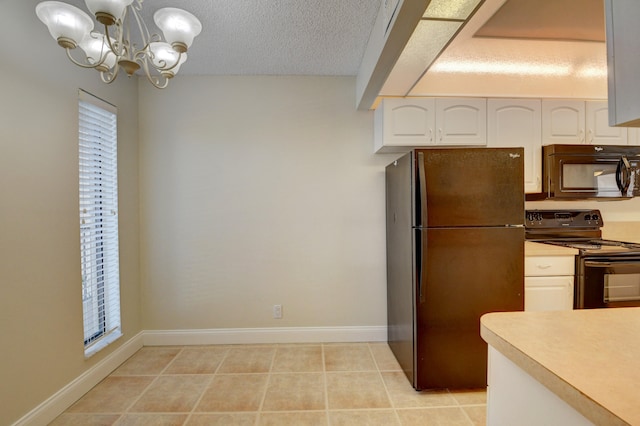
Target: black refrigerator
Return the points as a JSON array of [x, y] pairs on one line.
[[455, 251]]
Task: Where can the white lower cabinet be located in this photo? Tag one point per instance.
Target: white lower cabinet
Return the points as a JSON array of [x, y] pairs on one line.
[[548, 283], [514, 397]]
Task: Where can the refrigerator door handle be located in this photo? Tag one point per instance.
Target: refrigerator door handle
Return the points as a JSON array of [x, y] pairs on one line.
[[421, 203], [419, 259]]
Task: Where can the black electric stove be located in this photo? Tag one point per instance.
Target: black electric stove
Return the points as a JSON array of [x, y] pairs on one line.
[[607, 272], [579, 229]]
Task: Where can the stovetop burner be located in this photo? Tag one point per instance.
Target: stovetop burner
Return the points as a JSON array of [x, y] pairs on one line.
[[579, 229]]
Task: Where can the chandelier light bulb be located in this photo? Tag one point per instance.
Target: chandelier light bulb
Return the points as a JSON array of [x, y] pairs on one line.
[[107, 12], [67, 24], [178, 26]]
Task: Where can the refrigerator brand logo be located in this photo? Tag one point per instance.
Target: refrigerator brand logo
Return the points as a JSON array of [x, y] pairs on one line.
[[514, 155]]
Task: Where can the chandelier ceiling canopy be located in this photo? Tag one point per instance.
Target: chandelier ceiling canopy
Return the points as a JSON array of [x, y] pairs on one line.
[[108, 51]]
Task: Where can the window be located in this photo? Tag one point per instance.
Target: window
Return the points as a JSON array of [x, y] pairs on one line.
[[99, 222]]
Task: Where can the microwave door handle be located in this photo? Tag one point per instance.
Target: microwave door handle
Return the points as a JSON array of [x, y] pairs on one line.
[[623, 175]]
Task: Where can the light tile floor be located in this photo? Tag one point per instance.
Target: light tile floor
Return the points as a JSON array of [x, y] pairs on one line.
[[301, 384]]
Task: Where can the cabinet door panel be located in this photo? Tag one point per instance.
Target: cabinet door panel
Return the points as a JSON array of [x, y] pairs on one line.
[[598, 130], [548, 293], [401, 124], [563, 122], [517, 123], [461, 121]]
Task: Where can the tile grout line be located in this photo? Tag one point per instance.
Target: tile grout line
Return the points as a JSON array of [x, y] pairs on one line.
[[266, 386], [156, 377], [213, 375], [384, 384], [326, 384]]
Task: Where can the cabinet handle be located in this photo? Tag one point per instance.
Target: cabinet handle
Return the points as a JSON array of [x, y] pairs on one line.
[[547, 266], [430, 135], [590, 136], [440, 132], [581, 135]]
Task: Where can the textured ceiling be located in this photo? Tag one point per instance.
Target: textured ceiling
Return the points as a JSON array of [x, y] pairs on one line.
[[269, 37], [329, 37]]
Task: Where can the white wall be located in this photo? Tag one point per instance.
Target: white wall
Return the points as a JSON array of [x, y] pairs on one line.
[[258, 191], [40, 284]]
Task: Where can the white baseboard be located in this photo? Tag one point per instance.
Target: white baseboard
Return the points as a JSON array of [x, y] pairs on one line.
[[222, 336], [65, 397], [56, 404]]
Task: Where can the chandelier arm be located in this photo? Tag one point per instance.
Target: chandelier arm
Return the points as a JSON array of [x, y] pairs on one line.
[[128, 47], [142, 26], [114, 46], [144, 57], [103, 51], [154, 80], [81, 64], [108, 77], [172, 66]]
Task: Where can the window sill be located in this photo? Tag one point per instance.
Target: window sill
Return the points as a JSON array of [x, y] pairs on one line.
[[102, 343]]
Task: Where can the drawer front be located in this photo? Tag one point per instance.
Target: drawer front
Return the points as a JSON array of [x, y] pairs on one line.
[[540, 266]]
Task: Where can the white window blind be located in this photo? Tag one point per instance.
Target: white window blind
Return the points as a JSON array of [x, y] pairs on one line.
[[99, 222]]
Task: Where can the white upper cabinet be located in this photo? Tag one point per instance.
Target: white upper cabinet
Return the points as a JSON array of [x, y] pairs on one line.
[[579, 122], [405, 123], [563, 122], [517, 123], [461, 121], [598, 130]]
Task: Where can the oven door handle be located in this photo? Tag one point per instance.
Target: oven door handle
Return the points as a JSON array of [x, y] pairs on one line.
[[633, 263]]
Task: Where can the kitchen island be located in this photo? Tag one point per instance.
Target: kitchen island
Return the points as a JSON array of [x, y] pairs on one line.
[[563, 367]]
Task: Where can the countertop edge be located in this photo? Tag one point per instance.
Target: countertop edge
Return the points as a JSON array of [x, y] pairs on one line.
[[586, 406], [536, 248]]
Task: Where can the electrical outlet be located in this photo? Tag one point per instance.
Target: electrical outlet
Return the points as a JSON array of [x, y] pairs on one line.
[[277, 311]]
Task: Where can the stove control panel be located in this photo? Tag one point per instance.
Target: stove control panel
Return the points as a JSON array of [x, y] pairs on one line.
[[558, 219]]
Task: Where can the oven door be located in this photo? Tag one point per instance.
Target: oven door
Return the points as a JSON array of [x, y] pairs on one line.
[[609, 282]]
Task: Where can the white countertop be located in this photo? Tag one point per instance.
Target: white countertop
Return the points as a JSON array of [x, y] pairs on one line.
[[590, 358]]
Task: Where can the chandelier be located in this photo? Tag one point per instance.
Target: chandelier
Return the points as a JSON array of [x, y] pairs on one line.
[[113, 49]]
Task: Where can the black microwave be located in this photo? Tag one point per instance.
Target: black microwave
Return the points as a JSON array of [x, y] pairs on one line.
[[591, 171]]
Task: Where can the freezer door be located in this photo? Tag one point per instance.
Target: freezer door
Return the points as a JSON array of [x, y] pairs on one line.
[[462, 274], [469, 187]]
